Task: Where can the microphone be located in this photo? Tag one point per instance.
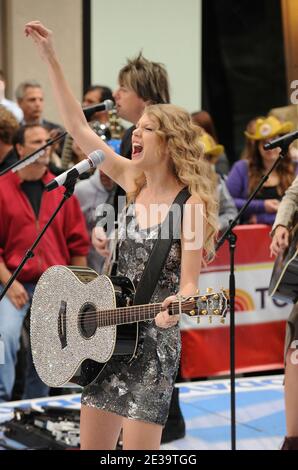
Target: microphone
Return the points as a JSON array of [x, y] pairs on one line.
[[282, 142], [107, 105], [69, 176]]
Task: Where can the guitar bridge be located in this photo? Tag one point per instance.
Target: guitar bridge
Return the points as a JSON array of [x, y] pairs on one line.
[[62, 324]]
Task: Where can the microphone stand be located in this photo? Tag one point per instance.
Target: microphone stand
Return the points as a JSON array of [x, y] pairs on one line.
[[232, 239], [69, 189]]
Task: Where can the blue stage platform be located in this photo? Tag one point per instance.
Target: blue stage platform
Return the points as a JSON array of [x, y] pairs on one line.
[[206, 408]]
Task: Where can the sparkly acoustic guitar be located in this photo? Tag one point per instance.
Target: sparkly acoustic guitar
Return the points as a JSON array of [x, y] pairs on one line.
[[80, 320]]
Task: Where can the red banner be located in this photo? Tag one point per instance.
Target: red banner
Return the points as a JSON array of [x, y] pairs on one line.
[[260, 320]]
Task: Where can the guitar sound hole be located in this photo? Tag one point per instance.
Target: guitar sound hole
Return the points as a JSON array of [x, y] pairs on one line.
[[87, 320]]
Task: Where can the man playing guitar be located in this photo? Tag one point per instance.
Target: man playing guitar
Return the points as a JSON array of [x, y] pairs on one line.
[[280, 232]]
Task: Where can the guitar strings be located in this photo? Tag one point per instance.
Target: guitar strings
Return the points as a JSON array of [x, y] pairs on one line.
[[125, 313], [129, 311]]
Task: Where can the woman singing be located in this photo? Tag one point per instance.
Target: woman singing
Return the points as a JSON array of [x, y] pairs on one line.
[[166, 157]]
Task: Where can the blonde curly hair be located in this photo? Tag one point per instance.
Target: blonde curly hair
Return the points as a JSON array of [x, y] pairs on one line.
[[181, 136]]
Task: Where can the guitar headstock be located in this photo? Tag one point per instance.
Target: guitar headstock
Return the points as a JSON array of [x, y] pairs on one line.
[[211, 304]]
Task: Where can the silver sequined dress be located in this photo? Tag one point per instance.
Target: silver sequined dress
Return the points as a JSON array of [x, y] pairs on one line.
[[142, 389]]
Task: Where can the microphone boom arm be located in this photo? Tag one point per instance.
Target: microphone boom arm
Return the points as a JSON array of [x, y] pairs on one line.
[[15, 165]]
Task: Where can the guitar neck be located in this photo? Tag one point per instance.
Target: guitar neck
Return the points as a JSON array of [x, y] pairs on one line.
[[209, 304], [136, 313]]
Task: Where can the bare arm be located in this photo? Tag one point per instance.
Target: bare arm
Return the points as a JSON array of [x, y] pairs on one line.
[[191, 258], [192, 242], [118, 168]]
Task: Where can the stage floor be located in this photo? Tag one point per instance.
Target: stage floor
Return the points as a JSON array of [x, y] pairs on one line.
[[206, 408]]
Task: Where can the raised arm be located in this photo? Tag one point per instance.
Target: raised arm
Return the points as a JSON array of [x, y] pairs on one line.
[[118, 168], [192, 241]]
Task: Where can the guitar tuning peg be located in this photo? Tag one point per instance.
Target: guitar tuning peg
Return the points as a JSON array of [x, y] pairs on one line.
[[223, 321], [204, 311], [209, 290], [216, 311], [216, 297], [192, 312], [204, 298]]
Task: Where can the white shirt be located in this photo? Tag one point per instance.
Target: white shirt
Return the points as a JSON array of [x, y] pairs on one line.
[[13, 108]]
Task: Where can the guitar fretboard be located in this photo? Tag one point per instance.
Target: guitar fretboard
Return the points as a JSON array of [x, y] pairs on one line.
[[136, 313]]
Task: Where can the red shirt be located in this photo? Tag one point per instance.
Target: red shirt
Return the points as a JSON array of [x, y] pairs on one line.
[[66, 237]]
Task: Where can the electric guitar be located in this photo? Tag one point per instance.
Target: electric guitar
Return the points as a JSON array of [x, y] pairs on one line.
[[80, 320]]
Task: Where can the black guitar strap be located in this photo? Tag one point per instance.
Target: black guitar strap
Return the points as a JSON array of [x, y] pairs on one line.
[[171, 228]]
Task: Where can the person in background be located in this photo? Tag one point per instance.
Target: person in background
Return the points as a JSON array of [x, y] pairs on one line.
[[288, 113], [227, 208], [205, 121], [247, 172], [282, 227], [8, 127], [140, 82], [30, 98], [25, 208], [91, 192], [8, 104], [95, 94]]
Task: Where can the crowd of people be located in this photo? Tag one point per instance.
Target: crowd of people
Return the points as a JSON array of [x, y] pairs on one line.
[[165, 150]]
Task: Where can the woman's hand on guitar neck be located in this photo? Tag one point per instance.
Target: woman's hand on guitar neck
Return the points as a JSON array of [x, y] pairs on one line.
[[280, 240], [163, 319]]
